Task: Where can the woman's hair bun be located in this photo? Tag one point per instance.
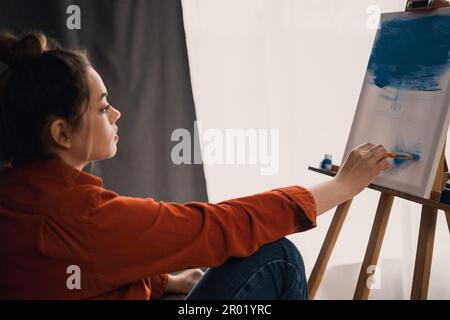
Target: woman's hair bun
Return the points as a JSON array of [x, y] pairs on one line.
[[18, 52]]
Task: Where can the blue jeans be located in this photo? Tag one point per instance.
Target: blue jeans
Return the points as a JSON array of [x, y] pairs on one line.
[[275, 271]]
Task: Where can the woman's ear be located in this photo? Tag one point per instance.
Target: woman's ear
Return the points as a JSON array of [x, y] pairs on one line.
[[60, 133]]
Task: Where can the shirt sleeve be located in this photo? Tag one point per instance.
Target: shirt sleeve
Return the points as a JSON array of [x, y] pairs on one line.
[[133, 238], [158, 285]]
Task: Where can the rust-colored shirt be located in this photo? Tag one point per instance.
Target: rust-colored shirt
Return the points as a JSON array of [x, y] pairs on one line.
[[53, 216]]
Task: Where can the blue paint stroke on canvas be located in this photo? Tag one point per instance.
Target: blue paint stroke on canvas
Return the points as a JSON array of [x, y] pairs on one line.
[[411, 54], [395, 100], [402, 148]]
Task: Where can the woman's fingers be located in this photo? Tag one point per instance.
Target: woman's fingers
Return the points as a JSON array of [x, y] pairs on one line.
[[375, 148], [383, 165], [364, 163], [378, 157], [379, 154], [365, 147]]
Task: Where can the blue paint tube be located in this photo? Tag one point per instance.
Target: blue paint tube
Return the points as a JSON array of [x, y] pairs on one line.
[[445, 194], [326, 163]]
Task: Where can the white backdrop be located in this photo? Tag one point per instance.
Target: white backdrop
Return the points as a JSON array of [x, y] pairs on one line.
[[298, 66]]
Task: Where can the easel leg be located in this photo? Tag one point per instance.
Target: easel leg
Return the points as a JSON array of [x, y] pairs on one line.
[[424, 254], [327, 248], [374, 245]]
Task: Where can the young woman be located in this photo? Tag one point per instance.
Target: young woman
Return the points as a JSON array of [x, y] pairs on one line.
[[64, 236]]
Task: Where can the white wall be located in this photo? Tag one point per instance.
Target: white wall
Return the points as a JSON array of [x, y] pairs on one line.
[[298, 66]]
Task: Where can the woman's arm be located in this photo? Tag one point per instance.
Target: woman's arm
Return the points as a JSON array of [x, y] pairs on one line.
[[362, 166], [151, 237]]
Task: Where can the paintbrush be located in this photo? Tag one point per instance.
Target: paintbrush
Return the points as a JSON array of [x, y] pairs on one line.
[[404, 156]]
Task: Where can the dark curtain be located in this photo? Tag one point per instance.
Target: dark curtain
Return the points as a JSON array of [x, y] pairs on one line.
[[139, 49]]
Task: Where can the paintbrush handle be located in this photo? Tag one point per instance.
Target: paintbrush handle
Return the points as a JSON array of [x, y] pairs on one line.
[[392, 155], [400, 156]]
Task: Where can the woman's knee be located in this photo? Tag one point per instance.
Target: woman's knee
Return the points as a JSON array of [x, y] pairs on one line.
[[283, 271], [278, 264], [283, 249], [287, 250], [292, 253]]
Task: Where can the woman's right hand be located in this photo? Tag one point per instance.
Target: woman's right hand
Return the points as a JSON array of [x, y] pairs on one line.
[[184, 281], [362, 165]]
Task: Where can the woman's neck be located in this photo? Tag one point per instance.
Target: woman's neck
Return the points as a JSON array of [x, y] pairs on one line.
[[72, 161]]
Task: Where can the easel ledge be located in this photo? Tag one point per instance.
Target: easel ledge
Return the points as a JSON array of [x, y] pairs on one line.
[[424, 201], [430, 207], [425, 241]]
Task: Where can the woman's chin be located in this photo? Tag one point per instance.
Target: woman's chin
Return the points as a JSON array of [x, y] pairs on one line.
[[107, 155], [113, 152]]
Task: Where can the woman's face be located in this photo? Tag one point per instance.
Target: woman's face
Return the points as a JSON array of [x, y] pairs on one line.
[[99, 138]]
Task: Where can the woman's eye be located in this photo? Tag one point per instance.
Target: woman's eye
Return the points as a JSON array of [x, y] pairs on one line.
[[105, 109]]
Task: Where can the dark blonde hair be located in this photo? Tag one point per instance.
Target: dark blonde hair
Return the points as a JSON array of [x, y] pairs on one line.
[[42, 81]]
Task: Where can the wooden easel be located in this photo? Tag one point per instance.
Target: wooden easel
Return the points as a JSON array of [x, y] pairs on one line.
[[427, 228]]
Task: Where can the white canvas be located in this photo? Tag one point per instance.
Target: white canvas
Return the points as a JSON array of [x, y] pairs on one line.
[[405, 99]]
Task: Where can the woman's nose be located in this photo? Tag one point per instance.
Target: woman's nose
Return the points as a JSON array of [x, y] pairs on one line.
[[116, 114]]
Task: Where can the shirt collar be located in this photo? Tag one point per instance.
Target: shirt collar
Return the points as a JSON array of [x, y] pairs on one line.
[[57, 169]]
